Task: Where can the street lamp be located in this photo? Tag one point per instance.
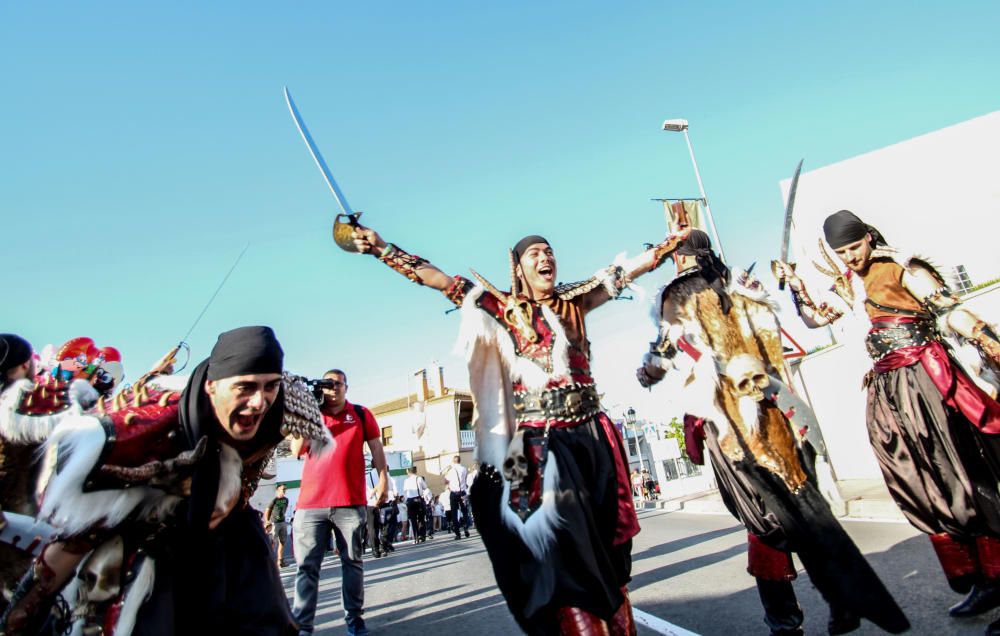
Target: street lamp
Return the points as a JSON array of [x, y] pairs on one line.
[[630, 420], [681, 125]]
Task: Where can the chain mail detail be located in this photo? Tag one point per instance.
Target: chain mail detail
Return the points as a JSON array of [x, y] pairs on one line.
[[302, 417], [569, 291], [404, 263]]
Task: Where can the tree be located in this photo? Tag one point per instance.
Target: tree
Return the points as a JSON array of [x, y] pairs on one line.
[[675, 430]]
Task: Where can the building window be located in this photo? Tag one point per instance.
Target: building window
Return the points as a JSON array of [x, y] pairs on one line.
[[631, 448], [387, 436]]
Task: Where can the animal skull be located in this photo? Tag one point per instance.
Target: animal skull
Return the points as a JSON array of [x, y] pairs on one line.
[[515, 465], [747, 376], [102, 572]]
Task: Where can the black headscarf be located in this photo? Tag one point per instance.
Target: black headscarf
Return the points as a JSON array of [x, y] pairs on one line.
[[525, 243], [713, 270], [844, 227], [242, 351], [14, 351]]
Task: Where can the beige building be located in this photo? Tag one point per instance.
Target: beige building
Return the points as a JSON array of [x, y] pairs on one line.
[[434, 424]]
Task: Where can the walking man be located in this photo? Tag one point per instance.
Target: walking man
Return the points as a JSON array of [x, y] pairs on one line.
[[457, 479], [413, 489], [274, 517], [333, 499]]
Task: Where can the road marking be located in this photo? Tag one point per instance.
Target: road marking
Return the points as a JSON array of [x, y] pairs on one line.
[[659, 625]]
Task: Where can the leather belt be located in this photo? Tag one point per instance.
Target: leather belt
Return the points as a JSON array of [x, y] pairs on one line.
[[571, 403], [885, 336]]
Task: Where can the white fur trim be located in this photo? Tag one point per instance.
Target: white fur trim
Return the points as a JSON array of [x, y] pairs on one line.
[[33, 429], [78, 442], [538, 532], [137, 594]]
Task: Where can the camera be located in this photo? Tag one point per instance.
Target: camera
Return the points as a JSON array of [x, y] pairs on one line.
[[317, 386]]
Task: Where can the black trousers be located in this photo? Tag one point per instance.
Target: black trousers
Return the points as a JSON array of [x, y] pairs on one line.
[[416, 512], [459, 502]]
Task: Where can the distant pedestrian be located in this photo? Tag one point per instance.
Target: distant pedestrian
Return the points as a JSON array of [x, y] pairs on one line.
[[457, 479], [413, 489], [276, 524]]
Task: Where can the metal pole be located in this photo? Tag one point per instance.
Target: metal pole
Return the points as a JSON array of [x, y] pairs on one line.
[[704, 197]]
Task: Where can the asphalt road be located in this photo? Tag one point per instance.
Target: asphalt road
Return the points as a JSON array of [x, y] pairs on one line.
[[688, 569]]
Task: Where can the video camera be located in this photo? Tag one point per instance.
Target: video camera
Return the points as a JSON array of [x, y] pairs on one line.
[[317, 386]]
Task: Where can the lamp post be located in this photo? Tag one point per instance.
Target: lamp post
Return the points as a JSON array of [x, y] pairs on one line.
[[630, 420], [681, 125]]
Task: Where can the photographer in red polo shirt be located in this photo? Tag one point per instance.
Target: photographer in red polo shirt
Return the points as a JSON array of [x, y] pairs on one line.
[[332, 498]]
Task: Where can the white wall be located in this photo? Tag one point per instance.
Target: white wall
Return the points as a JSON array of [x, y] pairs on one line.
[[924, 194]]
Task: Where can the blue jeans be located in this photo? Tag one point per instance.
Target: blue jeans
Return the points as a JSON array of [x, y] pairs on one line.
[[311, 530]]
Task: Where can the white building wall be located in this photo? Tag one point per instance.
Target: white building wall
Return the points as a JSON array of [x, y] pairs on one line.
[[924, 194]]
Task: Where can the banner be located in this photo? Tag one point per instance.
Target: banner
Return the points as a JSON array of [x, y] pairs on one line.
[[684, 213]]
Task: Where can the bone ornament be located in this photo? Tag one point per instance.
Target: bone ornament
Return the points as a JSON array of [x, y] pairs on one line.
[[102, 572], [748, 376], [515, 464]]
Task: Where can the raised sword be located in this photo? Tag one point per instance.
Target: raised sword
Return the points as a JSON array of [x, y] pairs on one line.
[[347, 220], [786, 234]]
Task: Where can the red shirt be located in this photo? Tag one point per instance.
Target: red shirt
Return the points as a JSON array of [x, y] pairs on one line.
[[338, 477]]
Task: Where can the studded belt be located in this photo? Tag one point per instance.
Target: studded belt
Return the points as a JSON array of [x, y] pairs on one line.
[[572, 403], [886, 337]]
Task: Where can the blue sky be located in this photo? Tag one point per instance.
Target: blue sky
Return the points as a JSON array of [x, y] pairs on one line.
[[144, 144]]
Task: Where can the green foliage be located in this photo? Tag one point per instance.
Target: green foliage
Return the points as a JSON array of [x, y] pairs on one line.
[[675, 430]]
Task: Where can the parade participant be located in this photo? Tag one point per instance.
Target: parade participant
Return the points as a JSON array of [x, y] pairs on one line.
[[931, 420], [30, 407], [152, 488], [275, 523], [720, 338], [558, 522], [333, 499]]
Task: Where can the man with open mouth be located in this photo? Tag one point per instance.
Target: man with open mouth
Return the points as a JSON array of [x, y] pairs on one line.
[[150, 499], [552, 498]]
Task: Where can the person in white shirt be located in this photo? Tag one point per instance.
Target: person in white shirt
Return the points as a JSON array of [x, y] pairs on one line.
[[416, 509], [457, 479]]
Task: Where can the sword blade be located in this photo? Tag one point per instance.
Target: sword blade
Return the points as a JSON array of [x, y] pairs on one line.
[[25, 533], [786, 235], [317, 157]]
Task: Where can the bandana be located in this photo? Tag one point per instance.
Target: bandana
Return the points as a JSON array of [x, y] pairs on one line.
[[844, 227], [245, 351], [523, 245], [712, 269], [14, 351]]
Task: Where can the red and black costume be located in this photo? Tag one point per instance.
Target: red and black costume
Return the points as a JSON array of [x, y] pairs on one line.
[[931, 424], [553, 502], [152, 488]]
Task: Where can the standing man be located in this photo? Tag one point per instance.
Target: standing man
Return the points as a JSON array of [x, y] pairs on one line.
[[457, 479], [333, 499], [413, 490], [932, 422], [274, 517]]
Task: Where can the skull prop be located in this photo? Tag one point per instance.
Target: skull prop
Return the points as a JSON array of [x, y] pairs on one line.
[[102, 572], [515, 465], [747, 376]]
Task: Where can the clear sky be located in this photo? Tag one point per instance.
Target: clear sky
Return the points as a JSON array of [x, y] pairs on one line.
[[142, 145]]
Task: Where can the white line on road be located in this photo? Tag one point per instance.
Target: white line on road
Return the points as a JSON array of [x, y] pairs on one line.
[[659, 625]]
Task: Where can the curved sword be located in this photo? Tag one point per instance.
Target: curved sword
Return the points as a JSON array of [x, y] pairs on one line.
[[317, 157], [786, 231]]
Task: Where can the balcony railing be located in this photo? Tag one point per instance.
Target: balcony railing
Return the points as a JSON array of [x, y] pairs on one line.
[[467, 439]]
